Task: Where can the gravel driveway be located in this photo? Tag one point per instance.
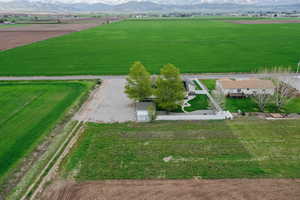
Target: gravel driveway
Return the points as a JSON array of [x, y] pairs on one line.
[[108, 104]]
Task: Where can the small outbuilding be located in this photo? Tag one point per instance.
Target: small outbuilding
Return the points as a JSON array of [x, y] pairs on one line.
[[245, 87], [142, 111]]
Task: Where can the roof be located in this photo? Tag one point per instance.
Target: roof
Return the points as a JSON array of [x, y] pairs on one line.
[[143, 106], [247, 83]]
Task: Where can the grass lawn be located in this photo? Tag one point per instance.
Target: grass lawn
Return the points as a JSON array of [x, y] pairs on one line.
[[243, 104], [293, 106], [206, 149], [210, 84], [194, 45], [29, 111], [248, 105], [200, 102]]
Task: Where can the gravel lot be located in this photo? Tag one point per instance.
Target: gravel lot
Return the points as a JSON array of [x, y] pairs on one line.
[[109, 104]]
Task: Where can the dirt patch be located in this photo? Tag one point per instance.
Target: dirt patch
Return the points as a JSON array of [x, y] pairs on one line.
[[21, 35], [263, 21], [227, 189]]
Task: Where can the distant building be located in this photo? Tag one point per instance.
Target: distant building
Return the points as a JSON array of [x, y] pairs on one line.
[[8, 22], [245, 87], [142, 111]]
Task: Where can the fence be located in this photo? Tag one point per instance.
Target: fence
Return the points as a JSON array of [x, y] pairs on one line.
[[218, 116]]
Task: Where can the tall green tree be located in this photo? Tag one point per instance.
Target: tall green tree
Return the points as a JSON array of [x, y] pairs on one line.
[[139, 83], [170, 90]]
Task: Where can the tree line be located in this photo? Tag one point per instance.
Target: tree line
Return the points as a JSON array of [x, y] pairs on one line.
[[166, 90]]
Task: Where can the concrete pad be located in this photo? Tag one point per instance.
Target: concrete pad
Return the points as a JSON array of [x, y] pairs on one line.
[[108, 104]]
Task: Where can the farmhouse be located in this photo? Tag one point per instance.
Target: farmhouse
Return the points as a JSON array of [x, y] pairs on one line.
[[245, 87]]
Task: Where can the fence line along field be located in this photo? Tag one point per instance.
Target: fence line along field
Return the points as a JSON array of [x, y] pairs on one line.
[[29, 112], [194, 45]]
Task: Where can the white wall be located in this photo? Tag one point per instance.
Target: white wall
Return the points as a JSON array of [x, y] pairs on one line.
[[249, 92], [219, 116], [142, 116]]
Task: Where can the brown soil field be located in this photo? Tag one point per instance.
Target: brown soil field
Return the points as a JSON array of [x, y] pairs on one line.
[[264, 21], [226, 189], [21, 35]]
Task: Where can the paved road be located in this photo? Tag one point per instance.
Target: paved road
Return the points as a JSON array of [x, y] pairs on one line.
[[108, 104]]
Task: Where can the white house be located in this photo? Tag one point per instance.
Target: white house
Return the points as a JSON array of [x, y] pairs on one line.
[[245, 87]]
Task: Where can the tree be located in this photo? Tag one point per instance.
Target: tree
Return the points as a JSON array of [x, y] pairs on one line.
[[283, 93], [281, 77], [262, 99], [151, 112], [219, 97], [139, 83], [170, 91]]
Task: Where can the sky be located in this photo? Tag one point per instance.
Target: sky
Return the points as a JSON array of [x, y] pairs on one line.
[[162, 1]]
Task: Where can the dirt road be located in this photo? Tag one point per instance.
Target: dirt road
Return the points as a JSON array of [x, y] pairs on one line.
[[228, 189]]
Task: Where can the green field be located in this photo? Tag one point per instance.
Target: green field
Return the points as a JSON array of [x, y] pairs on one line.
[[11, 25], [194, 45], [29, 111], [166, 150]]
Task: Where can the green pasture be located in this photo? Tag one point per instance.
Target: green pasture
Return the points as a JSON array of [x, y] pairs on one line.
[[194, 45]]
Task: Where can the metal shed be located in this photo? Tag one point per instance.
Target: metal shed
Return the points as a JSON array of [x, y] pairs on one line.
[[142, 113]]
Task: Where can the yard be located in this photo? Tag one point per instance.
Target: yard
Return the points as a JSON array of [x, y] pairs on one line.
[[200, 102], [210, 84], [248, 105], [191, 44], [29, 111], [208, 149]]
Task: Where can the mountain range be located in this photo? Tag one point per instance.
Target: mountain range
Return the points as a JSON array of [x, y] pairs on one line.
[[150, 5]]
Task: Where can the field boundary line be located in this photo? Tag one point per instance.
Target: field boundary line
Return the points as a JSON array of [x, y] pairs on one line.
[[44, 173], [52, 166]]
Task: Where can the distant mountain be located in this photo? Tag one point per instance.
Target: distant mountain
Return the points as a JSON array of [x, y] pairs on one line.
[[149, 6]]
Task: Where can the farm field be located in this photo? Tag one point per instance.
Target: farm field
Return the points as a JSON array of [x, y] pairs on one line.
[[14, 36], [11, 25], [29, 111], [248, 148], [194, 45]]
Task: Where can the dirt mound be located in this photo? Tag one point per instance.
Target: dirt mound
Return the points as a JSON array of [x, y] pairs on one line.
[[263, 21], [227, 189]]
